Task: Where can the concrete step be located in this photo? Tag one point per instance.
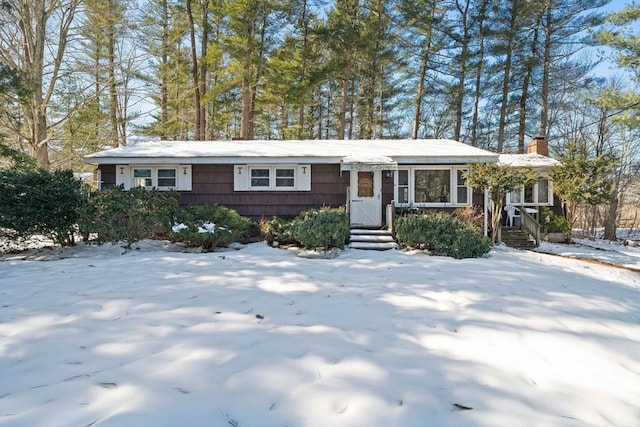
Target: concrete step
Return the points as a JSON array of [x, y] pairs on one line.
[[371, 239], [373, 232], [381, 238], [377, 246]]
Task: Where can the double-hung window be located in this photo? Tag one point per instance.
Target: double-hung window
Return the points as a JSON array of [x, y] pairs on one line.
[[424, 186], [278, 177], [155, 177], [166, 178], [272, 177], [159, 177], [260, 177], [143, 177]]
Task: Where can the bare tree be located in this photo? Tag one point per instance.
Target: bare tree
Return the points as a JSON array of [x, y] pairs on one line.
[[33, 40]]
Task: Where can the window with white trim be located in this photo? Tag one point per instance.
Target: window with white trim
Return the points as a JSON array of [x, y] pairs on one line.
[[540, 193], [142, 177], [156, 177], [260, 177], [163, 177], [403, 187], [437, 186], [166, 178], [272, 177]]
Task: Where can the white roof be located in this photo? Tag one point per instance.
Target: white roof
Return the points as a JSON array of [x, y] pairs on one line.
[[435, 151], [532, 160]]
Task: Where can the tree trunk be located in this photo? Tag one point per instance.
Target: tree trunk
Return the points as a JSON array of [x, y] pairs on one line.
[[113, 93], [524, 98], [246, 117], [342, 114], [39, 148], [195, 74], [164, 80], [507, 75], [546, 70], [479, 68], [420, 93], [462, 70]]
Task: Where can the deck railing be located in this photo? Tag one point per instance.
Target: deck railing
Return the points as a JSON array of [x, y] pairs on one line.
[[530, 225]]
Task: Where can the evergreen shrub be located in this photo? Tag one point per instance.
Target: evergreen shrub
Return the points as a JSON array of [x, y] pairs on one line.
[[277, 230], [323, 228], [117, 215], [553, 223], [208, 226], [39, 202], [441, 234]]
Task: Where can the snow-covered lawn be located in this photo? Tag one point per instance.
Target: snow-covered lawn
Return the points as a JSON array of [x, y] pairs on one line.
[[259, 337]]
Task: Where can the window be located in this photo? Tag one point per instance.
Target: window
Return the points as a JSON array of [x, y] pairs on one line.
[[365, 184], [428, 186], [403, 186], [462, 191], [161, 177], [543, 191], [285, 177], [260, 177], [432, 186], [536, 194], [166, 178], [272, 177], [142, 178]]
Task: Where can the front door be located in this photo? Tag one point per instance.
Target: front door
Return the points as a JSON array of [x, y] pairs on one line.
[[365, 207]]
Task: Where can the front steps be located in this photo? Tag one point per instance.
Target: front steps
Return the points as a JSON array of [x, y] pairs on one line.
[[380, 240], [516, 238]]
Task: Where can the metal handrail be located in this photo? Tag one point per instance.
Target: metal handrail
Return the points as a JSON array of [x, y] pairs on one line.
[[530, 225]]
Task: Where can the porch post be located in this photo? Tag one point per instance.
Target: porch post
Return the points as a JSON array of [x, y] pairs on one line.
[[484, 212]]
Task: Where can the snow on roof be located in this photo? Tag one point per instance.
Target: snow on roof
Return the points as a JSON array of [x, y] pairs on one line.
[[532, 160], [313, 151]]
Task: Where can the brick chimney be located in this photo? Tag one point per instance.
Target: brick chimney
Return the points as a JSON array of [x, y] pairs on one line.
[[538, 145]]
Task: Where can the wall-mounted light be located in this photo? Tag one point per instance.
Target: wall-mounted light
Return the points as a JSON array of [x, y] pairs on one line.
[[389, 174], [184, 170], [121, 171], [304, 170], [239, 170]]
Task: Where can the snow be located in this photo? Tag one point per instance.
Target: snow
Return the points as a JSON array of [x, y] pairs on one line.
[[261, 337], [533, 160], [176, 228], [314, 151]]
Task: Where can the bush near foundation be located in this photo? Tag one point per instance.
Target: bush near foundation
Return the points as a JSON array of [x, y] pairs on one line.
[[208, 226], [116, 215], [441, 234], [277, 230], [39, 202], [323, 228]]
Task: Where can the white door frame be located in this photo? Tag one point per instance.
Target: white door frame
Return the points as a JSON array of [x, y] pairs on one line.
[[365, 210]]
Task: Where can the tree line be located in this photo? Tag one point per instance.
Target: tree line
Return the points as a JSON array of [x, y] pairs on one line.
[[80, 75]]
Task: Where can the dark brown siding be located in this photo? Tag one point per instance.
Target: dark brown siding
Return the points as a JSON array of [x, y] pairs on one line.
[[108, 176], [213, 184]]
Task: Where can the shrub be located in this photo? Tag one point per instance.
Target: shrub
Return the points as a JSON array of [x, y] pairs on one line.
[[321, 228], [441, 234], [116, 215], [553, 223], [470, 215], [39, 202], [208, 226], [278, 230]]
